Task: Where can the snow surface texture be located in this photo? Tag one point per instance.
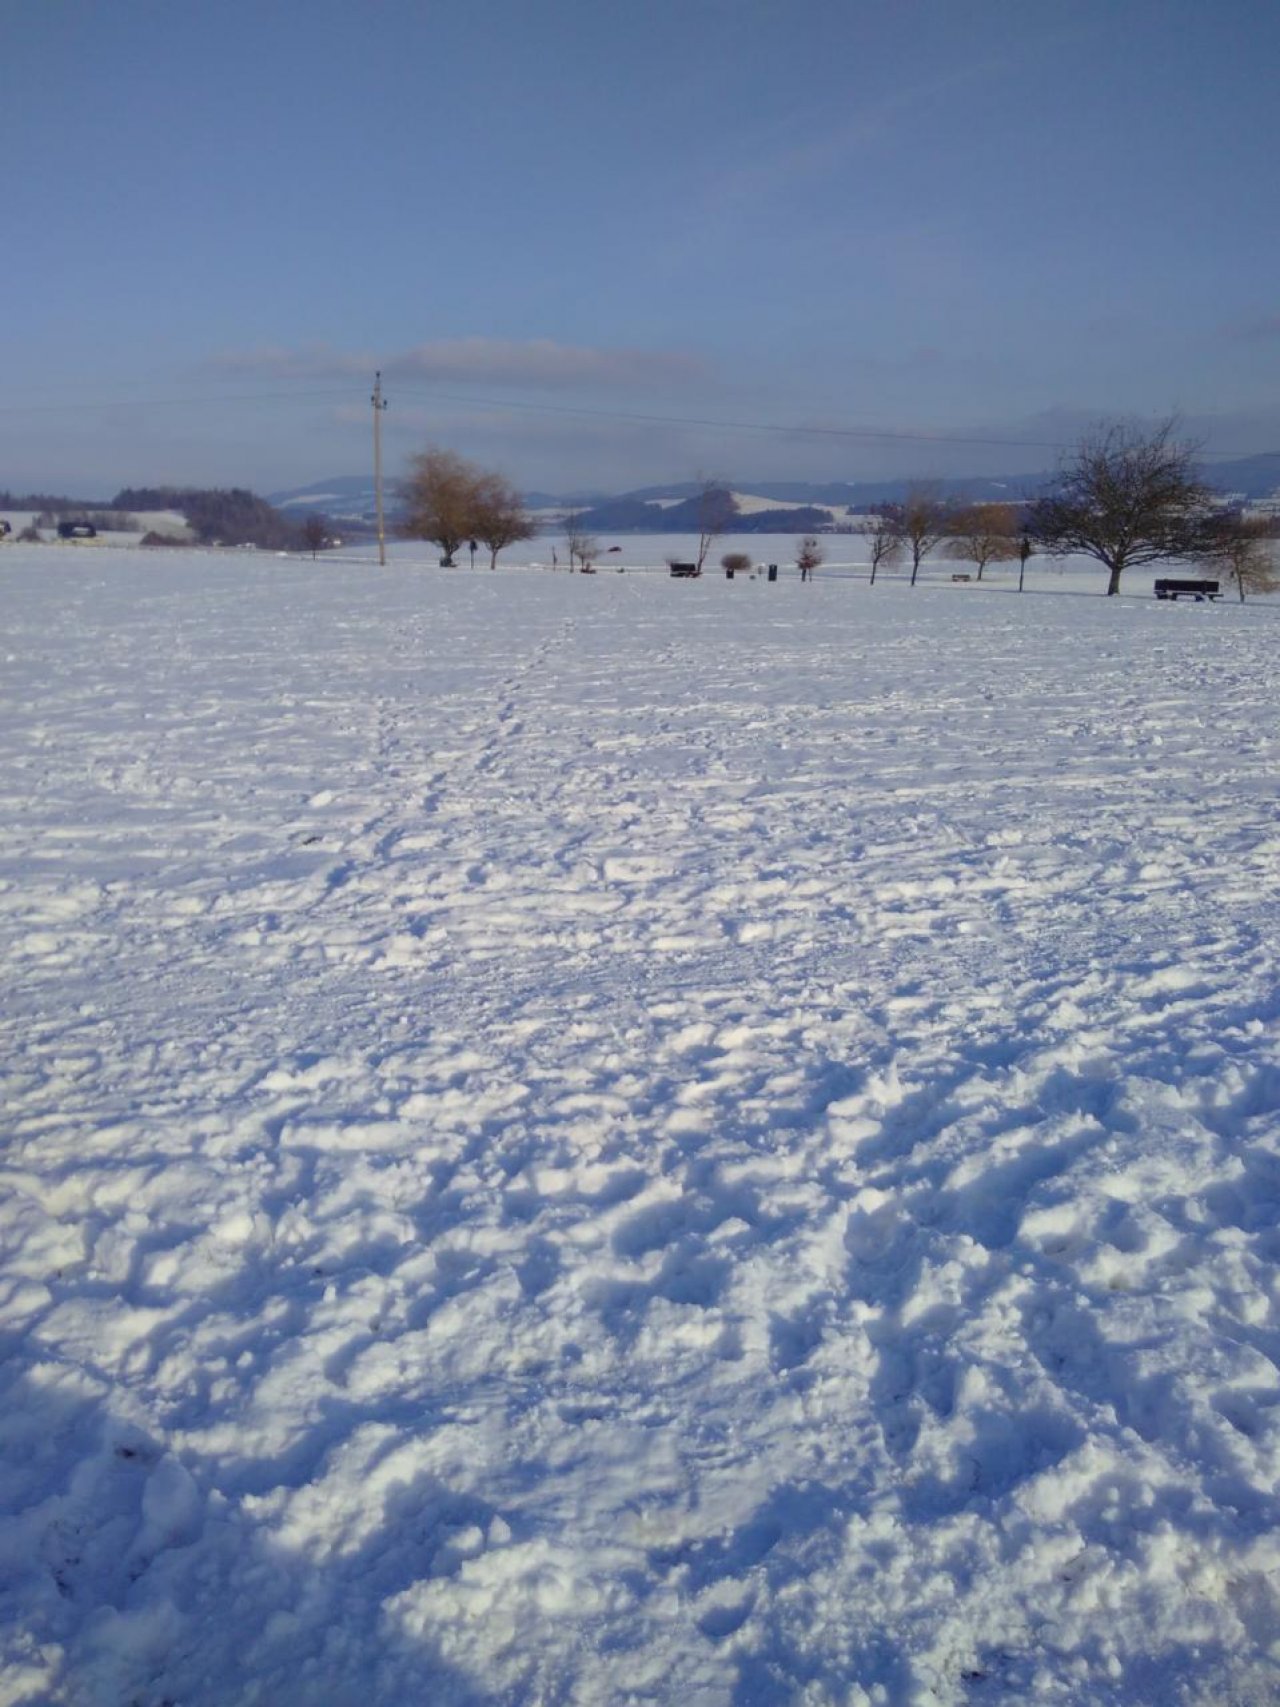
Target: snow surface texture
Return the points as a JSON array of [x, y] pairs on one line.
[[608, 1141]]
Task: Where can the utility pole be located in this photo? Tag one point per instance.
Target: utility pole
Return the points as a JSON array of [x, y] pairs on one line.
[[379, 404]]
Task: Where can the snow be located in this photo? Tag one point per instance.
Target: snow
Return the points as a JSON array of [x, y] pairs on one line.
[[751, 504], [610, 1140]]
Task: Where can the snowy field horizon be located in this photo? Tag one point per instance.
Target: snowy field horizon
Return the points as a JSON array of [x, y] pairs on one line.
[[844, 557], [609, 1140]]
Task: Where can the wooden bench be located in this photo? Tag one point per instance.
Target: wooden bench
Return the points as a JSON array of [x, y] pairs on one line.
[[685, 571], [962, 577], [1198, 590]]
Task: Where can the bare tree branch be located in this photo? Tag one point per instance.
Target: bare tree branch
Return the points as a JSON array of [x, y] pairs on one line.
[[582, 545], [884, 542], [808, 557], [439, 496], [501, 518], [920, 521], [982, 534], [1244, 551], [716, 509], [1125, 497]]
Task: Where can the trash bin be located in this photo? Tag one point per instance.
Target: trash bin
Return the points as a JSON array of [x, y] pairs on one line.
[[773, 571], [728, 574]]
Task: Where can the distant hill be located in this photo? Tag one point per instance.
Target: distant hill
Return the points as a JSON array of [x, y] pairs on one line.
[[1255, 476], [351, 497], [771, 506], [669, 514], [345, 496], [857, 494]]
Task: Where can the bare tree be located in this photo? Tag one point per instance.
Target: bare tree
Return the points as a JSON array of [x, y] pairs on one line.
[[439, 496], [982, 534], [501, 518], [809, 555], [315, 531], [884, 543], [1244, 551], [1126, 497], [735, 562], [717, 508], [582, 545], [920, 521]]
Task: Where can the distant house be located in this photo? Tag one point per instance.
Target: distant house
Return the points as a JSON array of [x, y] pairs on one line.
[[77, 530]]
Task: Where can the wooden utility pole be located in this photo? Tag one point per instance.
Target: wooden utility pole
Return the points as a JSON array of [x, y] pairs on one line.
[[379, 404]]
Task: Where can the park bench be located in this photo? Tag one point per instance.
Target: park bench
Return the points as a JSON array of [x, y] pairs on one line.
[[962, 577], [685, 571], [1173, 589]]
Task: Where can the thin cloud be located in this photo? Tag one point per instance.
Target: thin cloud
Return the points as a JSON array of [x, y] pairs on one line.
[[1264, 326], [778, 170], [538, 362], [795, 150]]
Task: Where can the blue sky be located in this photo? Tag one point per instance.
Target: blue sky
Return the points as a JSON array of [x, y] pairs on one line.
[[570, 233]]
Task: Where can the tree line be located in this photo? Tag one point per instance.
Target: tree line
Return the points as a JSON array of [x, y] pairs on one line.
[[215, 515], [1126, 496], [218, 515]]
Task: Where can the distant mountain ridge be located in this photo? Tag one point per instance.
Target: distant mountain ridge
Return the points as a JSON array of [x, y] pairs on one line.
[[1255, 476], [353, 496], [671, 508]]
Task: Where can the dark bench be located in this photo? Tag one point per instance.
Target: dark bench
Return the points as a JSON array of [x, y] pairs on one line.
[[1168, 589], [685, 571]]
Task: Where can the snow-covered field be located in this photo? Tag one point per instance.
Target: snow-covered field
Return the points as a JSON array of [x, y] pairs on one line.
[[601, 1140]]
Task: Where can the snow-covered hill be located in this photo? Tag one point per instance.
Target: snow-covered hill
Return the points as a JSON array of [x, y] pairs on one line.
[[346, 495], [599, 1139], [353, 495]]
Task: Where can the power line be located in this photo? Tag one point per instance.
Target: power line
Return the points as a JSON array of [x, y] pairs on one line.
[[218, 400], [886, 435], [731, 426]]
